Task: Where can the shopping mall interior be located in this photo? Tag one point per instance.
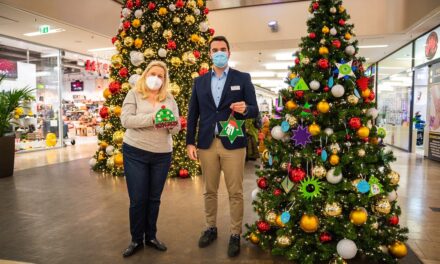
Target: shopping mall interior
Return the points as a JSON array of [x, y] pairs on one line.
[[57, 208]]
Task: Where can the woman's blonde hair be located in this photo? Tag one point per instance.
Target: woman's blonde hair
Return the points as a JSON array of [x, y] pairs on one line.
[[142, 88]]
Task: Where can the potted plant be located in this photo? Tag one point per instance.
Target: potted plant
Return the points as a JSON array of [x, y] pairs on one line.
[[9, 101]]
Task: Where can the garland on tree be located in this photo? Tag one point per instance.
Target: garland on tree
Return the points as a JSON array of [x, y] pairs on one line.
[[326, 190], [174, 31]]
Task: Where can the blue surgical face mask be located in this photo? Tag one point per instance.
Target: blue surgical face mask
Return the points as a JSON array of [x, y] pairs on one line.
[[220, 59]]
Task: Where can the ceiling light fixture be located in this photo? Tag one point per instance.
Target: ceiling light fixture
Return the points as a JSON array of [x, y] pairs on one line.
[[279, 65], [38, 33], [273, 25], [289, 56]]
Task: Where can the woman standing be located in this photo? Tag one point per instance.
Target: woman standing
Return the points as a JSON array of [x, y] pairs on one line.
[[147, 153]]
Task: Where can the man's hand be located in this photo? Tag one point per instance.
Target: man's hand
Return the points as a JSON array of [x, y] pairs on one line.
[[192, 152], [239, 107]]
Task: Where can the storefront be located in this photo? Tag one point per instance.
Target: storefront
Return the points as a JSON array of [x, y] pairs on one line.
[[408, 89], [67, 89]]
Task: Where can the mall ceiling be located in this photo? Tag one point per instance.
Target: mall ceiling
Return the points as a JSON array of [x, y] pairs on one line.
[[91, 24]]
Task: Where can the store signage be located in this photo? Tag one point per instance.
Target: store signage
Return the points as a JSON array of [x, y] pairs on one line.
[[434, 146], [44, 29], [96, 66], [431, 45]]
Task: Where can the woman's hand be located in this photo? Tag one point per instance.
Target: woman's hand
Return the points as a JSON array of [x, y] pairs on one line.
[[192, 152]]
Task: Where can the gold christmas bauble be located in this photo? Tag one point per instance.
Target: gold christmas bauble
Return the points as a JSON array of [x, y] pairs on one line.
[[204, 65], [194, 75], [358, 216], [117, 44], [189, 19], [334, 159], [352, 99], [136, 23], [108, 126], [309, 223], [292, 75], [291, 105], [366, 93], [138, 43], [118, 137], [284, 166], [195, 38], [319, 171], [117, 110], [200, 3], [265, 156], [254, 238], [279, 222], [363, 132], [283, 241], [106, 93], [119, 160], [101, 155], [191, 4], [162, 11], [341, 9], [174, 89], [332, 209], [337, 260], [103, 145], [116, 60], [123, 34], [156, 25], [128, 41], [347, 36], [323, 50], [126, 86], [148, 53], [189, 58], [176, 20], [361, 153], [167, 34], [291, 120], [382, 206], [325, 30], [323, 106], [314, 129], [394, 177], [110, 162], [271, 217], [398, 249], [202, 41], [176, 62], [355, 182]]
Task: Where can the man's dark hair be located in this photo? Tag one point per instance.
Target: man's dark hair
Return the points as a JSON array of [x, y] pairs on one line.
[[219, 38]]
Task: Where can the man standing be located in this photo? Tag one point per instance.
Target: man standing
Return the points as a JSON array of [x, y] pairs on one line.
[[215, 96]]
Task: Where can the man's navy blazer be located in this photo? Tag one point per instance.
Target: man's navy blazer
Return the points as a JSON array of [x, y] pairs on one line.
[[203, 113]]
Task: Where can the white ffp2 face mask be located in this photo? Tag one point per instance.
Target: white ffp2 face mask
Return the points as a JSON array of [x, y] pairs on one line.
[[153, 82]]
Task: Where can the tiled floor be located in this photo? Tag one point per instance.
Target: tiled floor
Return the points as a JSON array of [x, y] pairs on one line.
[[64, 213]]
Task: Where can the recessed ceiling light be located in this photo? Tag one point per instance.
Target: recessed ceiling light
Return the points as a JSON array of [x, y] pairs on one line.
[[289, 56], [38, 33]]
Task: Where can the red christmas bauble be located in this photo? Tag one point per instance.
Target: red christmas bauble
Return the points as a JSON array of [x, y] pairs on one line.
[[315, 5], [123, 72], [151, 6], [336, 43], [263, 226], [297, 60], [180, 4], [341, 22], [103, 112], [366, 139], [394, 220], [347, 137], [126, 25], [196, 54], [299, 94], [171, 45], [319, 151], [262, 183], [367, 100], [315, 113], [297, 174], [138, 3], [326, 89], [203, 71], [183, 173], [114, 39], [114, 87], [182, 122], [355, 123], [277, 192], [129, 4], [371, 96], [325, 237], [323, 63], [212, 31], [362, 83], [312, 35], [206, 11]]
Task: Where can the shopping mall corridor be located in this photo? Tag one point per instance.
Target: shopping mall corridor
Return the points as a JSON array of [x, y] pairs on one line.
[[58, 211]]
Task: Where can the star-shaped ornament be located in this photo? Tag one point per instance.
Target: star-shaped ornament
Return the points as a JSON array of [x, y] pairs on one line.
[[345, 69], [301, 136], [232, 128]]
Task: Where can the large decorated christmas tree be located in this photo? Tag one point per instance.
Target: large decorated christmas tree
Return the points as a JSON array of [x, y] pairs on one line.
[[174, 31], [326, 188]]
